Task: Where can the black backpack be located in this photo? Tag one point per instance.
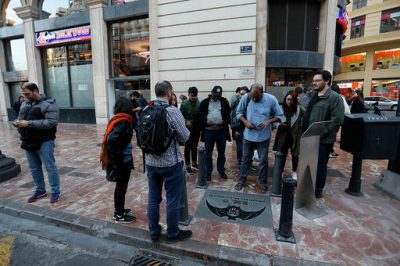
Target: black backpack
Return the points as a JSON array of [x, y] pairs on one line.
[[236, 123], [154, 134]]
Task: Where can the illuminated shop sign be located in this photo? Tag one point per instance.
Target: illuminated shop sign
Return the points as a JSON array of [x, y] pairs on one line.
[[79, 34]]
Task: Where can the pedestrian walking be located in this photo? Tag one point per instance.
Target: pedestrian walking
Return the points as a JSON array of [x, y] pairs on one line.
[[17, 104]]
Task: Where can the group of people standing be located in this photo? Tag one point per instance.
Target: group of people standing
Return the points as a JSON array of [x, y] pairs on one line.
[[250, 116]]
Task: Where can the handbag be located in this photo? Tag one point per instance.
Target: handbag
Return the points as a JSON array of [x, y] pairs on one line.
[[111, 174]]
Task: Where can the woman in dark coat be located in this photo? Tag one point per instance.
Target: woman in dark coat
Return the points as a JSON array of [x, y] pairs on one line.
[[358, 105], [118, 142], [289, 131]]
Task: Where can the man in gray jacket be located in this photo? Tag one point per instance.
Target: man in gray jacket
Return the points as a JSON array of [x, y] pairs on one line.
[[37, 124]]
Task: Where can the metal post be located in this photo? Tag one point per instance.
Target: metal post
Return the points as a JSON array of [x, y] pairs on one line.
[[277, 175], [8, 167], [285, 233], [354, 188], [184, 217], [202, 173]]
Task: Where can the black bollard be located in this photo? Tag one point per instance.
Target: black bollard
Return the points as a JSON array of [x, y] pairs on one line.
[[276, 190], [8, 168], [184, 217], [354, 188], [285, 233], [202, 173]]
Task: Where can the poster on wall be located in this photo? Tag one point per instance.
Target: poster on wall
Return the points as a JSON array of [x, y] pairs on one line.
[[79, 34]]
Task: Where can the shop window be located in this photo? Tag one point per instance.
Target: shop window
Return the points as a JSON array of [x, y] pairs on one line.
[[359, 4], [387, 59], [357, 27], [353, 62], [278, 77], [56, 8], [16, 55], [11, 16], [390, 20], [121, 2], [386, 87], [130, 50]]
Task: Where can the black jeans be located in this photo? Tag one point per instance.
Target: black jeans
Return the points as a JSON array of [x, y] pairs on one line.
[[121, 186], [322, 168], [288, 145], [191, 147]]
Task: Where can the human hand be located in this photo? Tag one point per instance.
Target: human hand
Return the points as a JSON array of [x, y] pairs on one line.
[[188, 124], [210, 123], [249, 125], [264, 124], [21, 123]]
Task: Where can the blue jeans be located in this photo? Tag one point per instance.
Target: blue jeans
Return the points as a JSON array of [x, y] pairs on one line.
[[35, 159], [210, 138], [173, 178], [322, 168], [248, 151]]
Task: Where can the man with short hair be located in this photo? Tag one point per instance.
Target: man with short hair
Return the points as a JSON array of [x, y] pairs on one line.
[[257, 115], [37, 124], [190, 110], [214, 117], [325, 105], [167, 168]]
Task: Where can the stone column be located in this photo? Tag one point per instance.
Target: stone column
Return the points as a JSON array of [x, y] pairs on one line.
[[4, 92], [153, 31], [28, 14], [261, 41], [100, 55], [330, 18]]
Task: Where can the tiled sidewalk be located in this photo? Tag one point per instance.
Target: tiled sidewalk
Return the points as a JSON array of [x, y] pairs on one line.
[[357, 230]]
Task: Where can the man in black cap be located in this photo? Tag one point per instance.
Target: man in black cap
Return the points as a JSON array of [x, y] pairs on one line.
[[214, 117]]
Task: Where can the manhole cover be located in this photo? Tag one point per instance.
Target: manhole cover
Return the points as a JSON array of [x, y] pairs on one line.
[[146, 257]]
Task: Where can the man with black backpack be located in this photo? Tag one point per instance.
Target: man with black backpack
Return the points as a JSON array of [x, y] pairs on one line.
[[161, 129]]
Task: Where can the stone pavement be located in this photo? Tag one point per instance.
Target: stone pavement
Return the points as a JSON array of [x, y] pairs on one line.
[[356, 231]]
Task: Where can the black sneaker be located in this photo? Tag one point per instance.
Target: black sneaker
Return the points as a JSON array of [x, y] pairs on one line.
[[208, 177], [126, 211], [124, 219], [189, 170], [35, 196], [181, 236], [195, 166], [223, 175]]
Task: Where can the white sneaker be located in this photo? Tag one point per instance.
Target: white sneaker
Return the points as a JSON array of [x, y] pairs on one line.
[[294, 175]]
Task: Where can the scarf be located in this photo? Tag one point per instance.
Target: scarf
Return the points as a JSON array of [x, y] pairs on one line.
[[114, 121]]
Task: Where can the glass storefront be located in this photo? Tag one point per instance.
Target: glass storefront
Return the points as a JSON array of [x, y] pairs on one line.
[[386, 87], [347, 88], [353, 62], [387, 59], [278, 77], [130, 51], [69, 75]]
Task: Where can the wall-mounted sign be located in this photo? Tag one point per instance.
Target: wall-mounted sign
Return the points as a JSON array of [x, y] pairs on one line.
[[79, 34], [246, 49]]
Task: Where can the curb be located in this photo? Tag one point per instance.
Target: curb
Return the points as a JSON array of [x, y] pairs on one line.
[[206, 253]]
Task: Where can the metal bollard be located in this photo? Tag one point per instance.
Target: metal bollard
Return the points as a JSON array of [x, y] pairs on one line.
[[184, 217], [285, 233], [354, 188], [202, 173], [276, 190]]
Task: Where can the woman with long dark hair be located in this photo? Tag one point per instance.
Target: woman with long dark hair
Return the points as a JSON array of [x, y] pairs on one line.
[[289, 131], [358, 105]]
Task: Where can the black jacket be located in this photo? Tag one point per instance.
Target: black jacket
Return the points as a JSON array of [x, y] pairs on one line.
[[119, 138], [226, 116]]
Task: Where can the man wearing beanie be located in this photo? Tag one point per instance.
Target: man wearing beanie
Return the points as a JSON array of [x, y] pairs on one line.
[[214, 118]]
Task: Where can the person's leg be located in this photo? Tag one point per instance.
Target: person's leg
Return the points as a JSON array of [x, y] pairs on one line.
[[46, 154], [35, 165], [262, 149], [322, 168], [239, 149], [221, 145], [155, 182], [187, 153], [120, 188], [248, 150], [173, 178], [209, 141], [195, 143]]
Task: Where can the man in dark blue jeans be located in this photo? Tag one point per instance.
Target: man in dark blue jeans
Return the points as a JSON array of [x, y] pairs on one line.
[[214, 117], [167, 168]]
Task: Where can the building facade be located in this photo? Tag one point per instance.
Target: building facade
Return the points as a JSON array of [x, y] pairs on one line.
[[95, 51], [371, 51]]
